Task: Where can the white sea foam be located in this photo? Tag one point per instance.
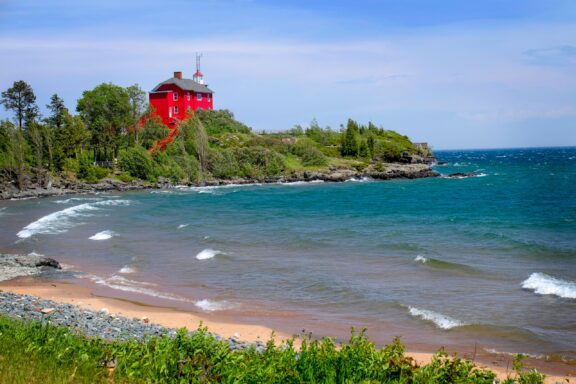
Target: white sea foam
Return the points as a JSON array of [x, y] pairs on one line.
[[543, 284], [440, 320], [34, 253], [360, 180], [211, 189], [122, 284], [183, 226], [296, 183], [61, 221], [104, 235], [76, 199], [207, 254], [497, 352], [2, 211], [211, 305], [421, 259], [126, 269]]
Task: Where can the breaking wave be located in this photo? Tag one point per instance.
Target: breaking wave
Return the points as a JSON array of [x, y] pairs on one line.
[[104, 235], [295, 183], [360, 180], [76, 199], [211, 305], [182, 226], [126, 269], [436, 264], [497, 352], [61, 221], [440, 320], [544, 284], [207, 254], [123, 284], [421, 259]]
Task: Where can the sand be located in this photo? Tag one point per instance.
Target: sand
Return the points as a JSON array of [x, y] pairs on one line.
[[70, 293]]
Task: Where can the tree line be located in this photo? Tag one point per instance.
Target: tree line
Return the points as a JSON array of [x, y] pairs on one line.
[[113, 129]]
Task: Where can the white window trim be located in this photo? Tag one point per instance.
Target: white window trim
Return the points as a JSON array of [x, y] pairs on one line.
[[175, 96], [199, 96], [175, 109], [188, 96], [169, 111]]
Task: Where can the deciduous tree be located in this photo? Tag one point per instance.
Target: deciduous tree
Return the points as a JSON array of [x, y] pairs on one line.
[[107, 113]]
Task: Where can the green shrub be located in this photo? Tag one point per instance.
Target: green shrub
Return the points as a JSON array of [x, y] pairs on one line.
[[71, 165], [137, 163], [223, 163], [309, 154], [35, 352], [220, 121], [259, 161], [125, 177]]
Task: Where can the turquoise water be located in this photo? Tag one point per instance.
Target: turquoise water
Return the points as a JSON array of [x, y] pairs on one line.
[[488, 259]]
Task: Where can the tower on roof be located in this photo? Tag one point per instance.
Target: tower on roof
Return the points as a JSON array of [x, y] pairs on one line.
[[198, 76]]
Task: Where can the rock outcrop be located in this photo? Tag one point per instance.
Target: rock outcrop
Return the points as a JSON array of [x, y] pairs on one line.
[[13, 266]]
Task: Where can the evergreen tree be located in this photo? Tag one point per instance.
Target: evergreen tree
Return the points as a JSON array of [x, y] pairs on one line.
[[21, 100], [350, 142], [58, 109]]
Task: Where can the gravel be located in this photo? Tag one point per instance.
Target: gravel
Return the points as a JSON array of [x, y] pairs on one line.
[[93, 323]]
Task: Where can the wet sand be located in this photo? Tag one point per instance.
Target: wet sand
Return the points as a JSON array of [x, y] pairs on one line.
[[87, 297]]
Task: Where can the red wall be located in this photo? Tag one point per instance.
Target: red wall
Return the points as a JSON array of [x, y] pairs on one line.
[[164, 100]]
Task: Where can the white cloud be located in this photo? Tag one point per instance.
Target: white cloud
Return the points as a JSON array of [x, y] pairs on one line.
[[466, 77]]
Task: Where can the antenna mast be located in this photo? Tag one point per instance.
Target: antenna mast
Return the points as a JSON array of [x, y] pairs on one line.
[[198, 57], [198, 76]]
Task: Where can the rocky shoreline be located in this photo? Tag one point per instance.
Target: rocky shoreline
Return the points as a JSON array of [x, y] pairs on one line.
[[57, 187], [87, 322], [90, 323]]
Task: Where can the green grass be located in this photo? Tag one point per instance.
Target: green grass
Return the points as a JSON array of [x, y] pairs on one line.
[[32, 352]]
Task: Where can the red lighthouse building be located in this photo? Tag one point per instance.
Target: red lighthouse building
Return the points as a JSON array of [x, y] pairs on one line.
[[173, 98]]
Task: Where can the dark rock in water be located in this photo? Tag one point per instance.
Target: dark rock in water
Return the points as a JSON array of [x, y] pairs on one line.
[[48, 262], [462, 175]]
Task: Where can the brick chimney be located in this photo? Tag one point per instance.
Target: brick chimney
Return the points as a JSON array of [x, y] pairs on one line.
[[178, 75]]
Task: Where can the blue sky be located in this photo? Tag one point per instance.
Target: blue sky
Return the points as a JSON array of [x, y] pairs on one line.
[[456, 74]]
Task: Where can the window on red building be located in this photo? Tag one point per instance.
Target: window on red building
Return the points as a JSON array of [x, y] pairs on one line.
[[175, 96], [199, 96], [175, 110]]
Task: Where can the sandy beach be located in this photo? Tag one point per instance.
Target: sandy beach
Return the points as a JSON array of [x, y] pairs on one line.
[[85, 297]]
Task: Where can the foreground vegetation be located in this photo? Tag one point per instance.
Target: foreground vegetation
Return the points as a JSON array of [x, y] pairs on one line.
[[114, 134], [34, 352]]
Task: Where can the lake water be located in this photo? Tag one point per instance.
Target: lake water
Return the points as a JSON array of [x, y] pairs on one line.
[[487, 260]]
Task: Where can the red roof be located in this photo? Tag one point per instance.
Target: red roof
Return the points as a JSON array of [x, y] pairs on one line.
[[198, 73]]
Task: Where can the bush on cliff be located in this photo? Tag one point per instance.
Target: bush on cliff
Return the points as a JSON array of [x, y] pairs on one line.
[[137, 163]]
